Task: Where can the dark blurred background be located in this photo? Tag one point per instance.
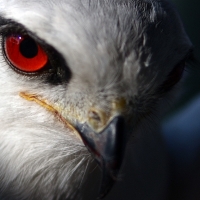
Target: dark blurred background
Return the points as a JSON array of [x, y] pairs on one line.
[[181, 128], [190, 14]]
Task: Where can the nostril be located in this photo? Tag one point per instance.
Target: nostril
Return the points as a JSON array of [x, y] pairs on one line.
[[94, 115], [97, 119]]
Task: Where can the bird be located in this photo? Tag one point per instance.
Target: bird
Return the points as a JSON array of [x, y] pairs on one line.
[[83, 87]]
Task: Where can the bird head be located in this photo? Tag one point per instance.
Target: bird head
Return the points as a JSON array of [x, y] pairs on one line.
[[100, 69]]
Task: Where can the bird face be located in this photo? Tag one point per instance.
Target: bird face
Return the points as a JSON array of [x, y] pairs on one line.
[[80, 75]]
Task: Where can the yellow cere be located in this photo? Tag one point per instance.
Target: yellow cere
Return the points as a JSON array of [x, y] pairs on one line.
[[99, 118]]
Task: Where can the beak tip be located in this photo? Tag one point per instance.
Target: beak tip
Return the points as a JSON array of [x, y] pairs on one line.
[[107, 147], [105, 188], [107, 181]]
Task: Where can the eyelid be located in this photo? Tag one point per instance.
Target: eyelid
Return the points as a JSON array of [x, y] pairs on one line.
[[13, 27], [9, 28]]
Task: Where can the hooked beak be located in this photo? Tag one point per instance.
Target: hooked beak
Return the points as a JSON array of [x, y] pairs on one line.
[[107, 148]]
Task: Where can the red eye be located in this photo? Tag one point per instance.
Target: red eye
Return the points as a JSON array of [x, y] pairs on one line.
[[173, 78], [24, 53]]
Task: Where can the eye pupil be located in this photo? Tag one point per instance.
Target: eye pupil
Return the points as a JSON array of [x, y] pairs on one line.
[[28, 48]]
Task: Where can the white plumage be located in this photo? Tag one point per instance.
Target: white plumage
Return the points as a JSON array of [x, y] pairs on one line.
[[112, 50]]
